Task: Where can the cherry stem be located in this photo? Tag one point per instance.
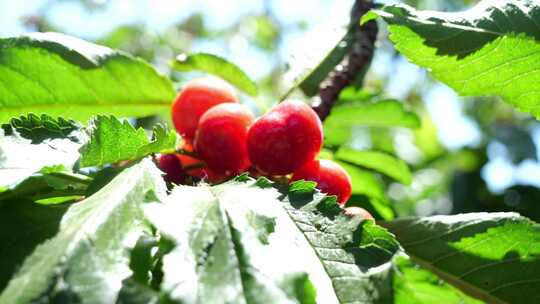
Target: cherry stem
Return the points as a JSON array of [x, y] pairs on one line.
[[187, 152]]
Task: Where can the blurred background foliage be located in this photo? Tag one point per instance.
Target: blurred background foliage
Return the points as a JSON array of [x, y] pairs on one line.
[[470, 154]]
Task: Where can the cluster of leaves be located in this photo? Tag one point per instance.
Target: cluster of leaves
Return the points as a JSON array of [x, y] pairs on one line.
[[86, 217]]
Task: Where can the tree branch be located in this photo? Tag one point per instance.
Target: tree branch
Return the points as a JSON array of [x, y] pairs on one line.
[[354, 64]]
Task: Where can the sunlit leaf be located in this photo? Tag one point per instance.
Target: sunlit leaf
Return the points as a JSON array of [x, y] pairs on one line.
[[86, 246], [378, 161], [494, 257], [217, 66], [240, 241], [112, 140], [59, 75], [491, 49]]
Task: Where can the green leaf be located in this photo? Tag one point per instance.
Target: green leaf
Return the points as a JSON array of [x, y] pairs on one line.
[[368, 191], [46, 184], [240, 242], [112, 140], [39, 128], [86, 247], [378, 161], [494, 257], [492, 49], [416, 285], [217, 66], [311, 82], [23, 226], [386, 113], [364, 182], [20, 159], [309, 74], [302, 186], [60, 75]]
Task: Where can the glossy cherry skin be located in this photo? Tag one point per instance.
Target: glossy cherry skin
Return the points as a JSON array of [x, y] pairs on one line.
[[354, 211], [284, 139], [195, 98], [170, 164], [221, 138], [330, 177]]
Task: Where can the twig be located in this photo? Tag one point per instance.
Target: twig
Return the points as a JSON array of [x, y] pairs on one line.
[[355, 63]]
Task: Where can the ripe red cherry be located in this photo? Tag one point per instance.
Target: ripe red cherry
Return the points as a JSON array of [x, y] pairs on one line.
[[285, 139], [221, 138], [170, 164], [195, 98], [330, 177], [353, 211]]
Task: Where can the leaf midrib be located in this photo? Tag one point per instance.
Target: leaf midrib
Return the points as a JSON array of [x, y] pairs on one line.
[[456, 281]]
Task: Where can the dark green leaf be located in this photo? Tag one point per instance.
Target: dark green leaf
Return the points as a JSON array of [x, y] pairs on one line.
[[89, 246], [112, 140], [23, 226], [38, 128], [60, 75], [494, 257], [491, 49], [217, 66]]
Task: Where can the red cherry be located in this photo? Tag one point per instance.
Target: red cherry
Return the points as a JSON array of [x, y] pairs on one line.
[[330, 177], [221, 138], [170, 164], [195, 98], [285, 139], [353, 211]]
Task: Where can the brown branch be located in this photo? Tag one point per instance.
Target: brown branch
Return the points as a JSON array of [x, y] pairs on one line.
[[354, 63]]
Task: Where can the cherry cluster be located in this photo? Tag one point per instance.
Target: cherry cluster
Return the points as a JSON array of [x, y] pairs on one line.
[[222, 138]]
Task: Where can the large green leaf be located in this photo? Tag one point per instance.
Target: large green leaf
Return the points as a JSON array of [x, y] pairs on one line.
[[49, 185], [217, 66], [112, 140], [492, 256], [416, 285], [379, 161], [385, 113], [19, 158], [64, 76], [491, 49], [86, 254], [246, 242]]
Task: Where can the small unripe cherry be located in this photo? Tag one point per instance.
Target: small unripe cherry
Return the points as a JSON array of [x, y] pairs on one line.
[[330, 177], [221, 138], [284, 139], [354, 211], [195, 98], [170, 164]]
